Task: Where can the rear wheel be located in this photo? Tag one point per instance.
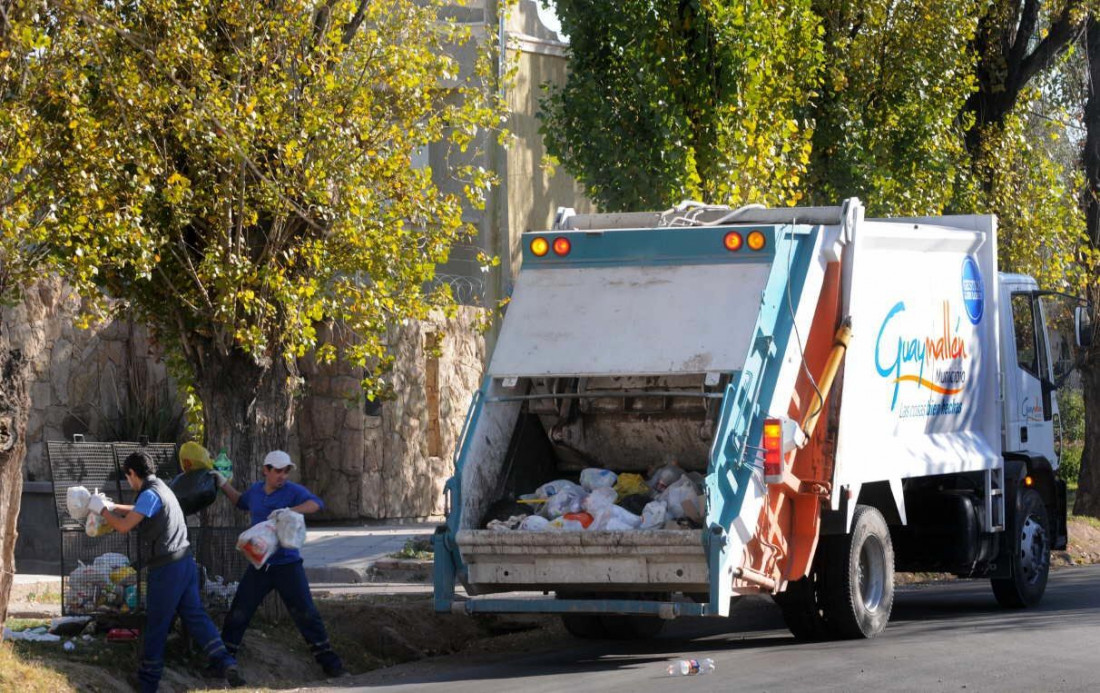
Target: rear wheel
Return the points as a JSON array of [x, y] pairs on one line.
[[584, 626], [1029, 554], [612, 626], [860, 577], [803, 602], [631, 626]]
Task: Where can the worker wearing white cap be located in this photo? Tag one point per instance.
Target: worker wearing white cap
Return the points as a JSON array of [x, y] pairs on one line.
[[283, 572]]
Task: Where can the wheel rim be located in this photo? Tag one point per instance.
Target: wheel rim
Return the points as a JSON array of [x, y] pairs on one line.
[[1033, 550], [872, 574]]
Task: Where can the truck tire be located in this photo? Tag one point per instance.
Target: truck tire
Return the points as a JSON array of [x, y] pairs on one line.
[[1030, 554], [631, 626], [803, 602], [860, 577], [584, 626]]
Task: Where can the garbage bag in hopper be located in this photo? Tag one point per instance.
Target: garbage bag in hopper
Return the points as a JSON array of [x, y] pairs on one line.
[[195, 490]]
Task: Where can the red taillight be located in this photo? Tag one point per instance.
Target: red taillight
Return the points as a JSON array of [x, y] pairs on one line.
[[562, 245], [773, 448], [732, 241]]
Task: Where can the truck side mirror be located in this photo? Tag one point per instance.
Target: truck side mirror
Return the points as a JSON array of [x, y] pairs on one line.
[[1082, 325]]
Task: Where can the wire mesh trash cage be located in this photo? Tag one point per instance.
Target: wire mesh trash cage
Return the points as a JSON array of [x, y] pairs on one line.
[[100, 575], [220, 564]]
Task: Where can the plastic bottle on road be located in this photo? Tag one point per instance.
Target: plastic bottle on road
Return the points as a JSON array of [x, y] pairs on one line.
[[691, 667]]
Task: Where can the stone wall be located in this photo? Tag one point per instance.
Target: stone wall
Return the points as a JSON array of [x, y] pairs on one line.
[[390, 460], [100, 382]]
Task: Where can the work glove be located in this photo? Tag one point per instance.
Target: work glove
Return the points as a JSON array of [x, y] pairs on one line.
[[99, 502], [219, 479]]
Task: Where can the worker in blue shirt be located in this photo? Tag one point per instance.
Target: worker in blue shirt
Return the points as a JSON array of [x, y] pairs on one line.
[[283, 571], [172, 579]]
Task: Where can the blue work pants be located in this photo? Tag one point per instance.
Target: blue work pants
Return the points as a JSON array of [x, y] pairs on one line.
[[289, 580], [172, 589]]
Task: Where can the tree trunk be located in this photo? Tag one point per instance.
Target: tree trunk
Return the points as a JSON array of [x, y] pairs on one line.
[[247, 411], [14, 409], [1088, 482]]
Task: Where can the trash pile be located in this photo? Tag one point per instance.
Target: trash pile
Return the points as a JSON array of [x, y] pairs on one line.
[[108, 584], [217, 594], [604, 500]]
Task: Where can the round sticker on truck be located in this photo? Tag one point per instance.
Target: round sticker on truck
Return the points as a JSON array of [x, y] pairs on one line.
[[972, 290]]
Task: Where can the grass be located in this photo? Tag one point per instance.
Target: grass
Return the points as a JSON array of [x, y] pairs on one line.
[[28, 675], [418, 549]]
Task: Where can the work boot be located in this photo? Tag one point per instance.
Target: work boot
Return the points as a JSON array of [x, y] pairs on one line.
[[336, 671], [233, 676]]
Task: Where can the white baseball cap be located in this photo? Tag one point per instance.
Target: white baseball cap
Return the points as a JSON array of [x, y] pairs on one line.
[[277, 459]]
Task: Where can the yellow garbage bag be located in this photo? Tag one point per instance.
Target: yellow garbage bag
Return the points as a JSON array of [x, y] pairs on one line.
[[629, 484], [194, 456]]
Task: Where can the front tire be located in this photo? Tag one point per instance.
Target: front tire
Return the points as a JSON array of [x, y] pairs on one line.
[[860, 577], [1029, 556]]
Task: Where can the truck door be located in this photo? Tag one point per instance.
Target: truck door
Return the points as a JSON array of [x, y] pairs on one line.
[[1029, 416]]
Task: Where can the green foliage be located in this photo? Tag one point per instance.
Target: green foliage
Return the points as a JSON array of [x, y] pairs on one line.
[[240, 171], [704, 99], [896, 76], [1041, 228], [1071, 407]]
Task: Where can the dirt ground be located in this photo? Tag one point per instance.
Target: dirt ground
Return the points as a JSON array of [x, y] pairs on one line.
[[368, 632]]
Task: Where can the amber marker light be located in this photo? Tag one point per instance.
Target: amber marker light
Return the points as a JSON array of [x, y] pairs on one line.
[[732, 241], [540, 246], [756, 240], [562, 245]]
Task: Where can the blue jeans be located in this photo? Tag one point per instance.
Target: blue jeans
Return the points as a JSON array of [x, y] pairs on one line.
[[172, 589], [289, 580]]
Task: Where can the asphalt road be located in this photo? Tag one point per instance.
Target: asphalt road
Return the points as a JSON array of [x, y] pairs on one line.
[[942, 637]]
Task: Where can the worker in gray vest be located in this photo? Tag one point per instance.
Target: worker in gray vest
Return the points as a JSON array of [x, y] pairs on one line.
[[172, 579]]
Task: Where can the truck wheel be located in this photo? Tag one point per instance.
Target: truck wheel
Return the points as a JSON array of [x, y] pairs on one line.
[[803, 602], [860, 577], [584, 626], [1030, 554], [631, 626]]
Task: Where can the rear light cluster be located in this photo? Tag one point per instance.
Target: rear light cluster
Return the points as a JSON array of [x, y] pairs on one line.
[[734, 242], [540, 246]]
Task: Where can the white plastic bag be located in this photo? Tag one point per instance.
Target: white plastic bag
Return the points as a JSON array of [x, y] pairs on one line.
[[664, 477], [676, 494], [562, 524], [653, 514], [290, 528], [568, 500], [594, 478], [534, 523], [614, 517], [552, 488], [258, 542], [599, 499], [111, 560], [76, 498]]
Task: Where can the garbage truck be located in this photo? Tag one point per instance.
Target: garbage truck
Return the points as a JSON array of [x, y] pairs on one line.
[[857, 396]]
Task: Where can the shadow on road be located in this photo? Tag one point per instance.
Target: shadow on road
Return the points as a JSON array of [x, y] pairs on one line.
[[927, 613]]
